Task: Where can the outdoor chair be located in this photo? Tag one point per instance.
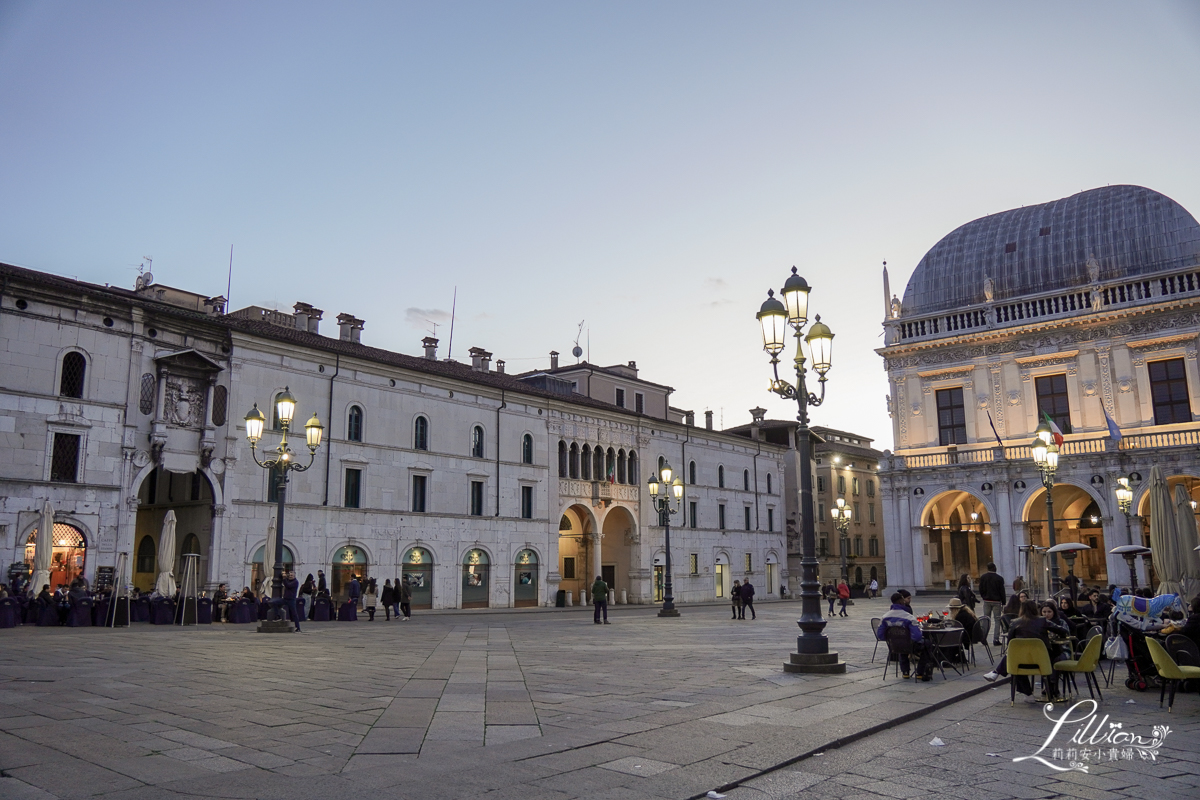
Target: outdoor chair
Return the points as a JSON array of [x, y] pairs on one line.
[[899, 643], [204, 611], [9, 612], [945, 644], [1169, 673], [1087, 662], [1027, 657], [1183, 650], [979, 635], [80, 615], [875, 622]]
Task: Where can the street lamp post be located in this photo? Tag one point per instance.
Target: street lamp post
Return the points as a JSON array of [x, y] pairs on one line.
[[1045, 456], [663, 506], [1124, 494], [841, 521], [280, 462], [812, 645]]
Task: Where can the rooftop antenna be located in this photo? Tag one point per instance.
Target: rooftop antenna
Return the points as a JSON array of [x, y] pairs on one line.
[[577, 351], [229, 283], [453, 308], [145, 276], [434, 327]]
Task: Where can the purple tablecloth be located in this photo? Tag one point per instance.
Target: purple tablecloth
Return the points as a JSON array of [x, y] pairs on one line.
[[320, 611], [80, 615], [10, 612]]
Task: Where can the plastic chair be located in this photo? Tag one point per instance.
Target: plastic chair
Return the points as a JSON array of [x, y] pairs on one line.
[[875, 623], [1183, 650], [899, 643], [1169, 672], [1087, 662], [1027, 657]]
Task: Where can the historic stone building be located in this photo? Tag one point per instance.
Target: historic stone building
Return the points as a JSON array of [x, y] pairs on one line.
[[1086, 309], [484, 488], [847, 469]]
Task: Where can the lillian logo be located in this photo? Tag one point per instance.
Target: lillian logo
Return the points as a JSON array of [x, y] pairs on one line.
[[1079, 738]]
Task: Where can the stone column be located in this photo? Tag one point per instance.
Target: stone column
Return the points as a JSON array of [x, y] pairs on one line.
[[162, 396], [596, 563]]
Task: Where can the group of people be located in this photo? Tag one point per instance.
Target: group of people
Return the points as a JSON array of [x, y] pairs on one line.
[[742, 596], [839, 594]]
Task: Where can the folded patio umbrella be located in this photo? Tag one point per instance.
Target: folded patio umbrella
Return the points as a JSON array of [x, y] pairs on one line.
[[43, 549], [1189, 538], [1164, 535], [165, 585]]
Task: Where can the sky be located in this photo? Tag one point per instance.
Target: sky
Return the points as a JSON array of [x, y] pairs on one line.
[[649, 169]]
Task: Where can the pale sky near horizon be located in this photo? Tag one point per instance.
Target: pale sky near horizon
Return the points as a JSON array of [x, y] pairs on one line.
[[648, 168]]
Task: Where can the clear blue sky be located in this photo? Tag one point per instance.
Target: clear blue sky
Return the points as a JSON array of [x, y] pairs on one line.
[[651, 168]]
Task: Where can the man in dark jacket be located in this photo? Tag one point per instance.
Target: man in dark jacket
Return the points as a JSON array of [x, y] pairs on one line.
[[991, 590], [600, 599], [290, 588], [900, 616], [747, 600]]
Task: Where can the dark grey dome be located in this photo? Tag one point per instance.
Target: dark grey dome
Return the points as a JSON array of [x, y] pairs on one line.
[[1130, 230]]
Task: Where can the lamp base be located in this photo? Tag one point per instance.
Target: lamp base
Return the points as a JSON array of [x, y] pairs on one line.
[[668, 612], [276, 626], [815, 663]]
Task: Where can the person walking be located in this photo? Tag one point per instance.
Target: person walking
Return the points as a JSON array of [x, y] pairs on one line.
[[874, 587], [843, 594], [388, 598], [370, 598], [830, 595], [600, 599], [404, 598], [965, 593], [747, 600], [991, 591], [290, 588], [735, 598]]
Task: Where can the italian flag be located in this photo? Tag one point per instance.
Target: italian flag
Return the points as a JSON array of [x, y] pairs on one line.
[[1058, 434], [612, 473]]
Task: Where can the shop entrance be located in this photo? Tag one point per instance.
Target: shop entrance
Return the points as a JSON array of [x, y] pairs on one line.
[[348, 562], [719, 576], [475, 579], [68, 557], [418, 573], [525, 581], [259, 572]]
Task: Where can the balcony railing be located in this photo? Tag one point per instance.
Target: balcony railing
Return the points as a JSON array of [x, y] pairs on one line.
[[597, 490], [1070, 447]]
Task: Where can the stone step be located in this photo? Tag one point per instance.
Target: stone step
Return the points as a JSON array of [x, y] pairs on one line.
[[815, 663]]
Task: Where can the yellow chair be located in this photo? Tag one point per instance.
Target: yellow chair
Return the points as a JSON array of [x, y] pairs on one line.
[[1086, 664], [1168, 671], [1027, 657]]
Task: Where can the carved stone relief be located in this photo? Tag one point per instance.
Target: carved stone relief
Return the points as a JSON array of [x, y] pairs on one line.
[[1014, 398], [185, 402]]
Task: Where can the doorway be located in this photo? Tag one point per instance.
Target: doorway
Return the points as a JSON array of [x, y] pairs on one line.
[[525, 581], [475, 579], [417, 572], [719, 574], [609, 573]]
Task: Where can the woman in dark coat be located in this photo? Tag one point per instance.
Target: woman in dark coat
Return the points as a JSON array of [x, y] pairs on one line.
[[388, 598], [965, 594]]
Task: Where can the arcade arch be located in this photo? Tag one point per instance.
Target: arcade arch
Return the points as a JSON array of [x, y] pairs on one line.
[[1078, 517], [958, 541], [576, 531], [616, 556], [191, 496]]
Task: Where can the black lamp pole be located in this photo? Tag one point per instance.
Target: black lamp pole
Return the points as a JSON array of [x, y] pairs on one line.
[[662, 504]]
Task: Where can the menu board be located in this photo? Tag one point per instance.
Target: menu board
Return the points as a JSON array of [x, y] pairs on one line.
[[105, 576]]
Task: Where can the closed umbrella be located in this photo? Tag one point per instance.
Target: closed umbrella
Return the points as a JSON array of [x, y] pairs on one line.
[[43, 549], [165, 585], [268, 560], [1164, 535], [1189, 537]]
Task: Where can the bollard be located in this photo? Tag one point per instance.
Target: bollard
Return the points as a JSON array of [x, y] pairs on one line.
[[624, 598], [947, 584], [569, 604]]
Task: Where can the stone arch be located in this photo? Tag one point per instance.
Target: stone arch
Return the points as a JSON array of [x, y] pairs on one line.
[[576, 547], [340, 570], [952, 543], [1072, 497], [68, 558], [194, 516]]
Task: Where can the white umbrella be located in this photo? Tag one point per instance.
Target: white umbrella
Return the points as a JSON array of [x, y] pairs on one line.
[[1185, 520], [165, 585], [43, 549], [1164, 535], [268, 560]]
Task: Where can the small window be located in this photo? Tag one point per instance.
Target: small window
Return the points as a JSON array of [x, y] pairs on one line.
[[871, 513], [1052, 399], [747, 515], [477, 498], [585, 463], [694, 564], [820, 483], [354, 424], [74, 367], [692, 473], [639, 402], [418, 493], [276, 423], [526, 502], [633, 468], [621, 466], [64, 459], [562, 459], [692, 515], [769, 484], [421, 434], [873, 546], [820, 513], [952, 417], [1011, 247], [856, 486], [749, 562], [1169, 392], [770, 520], [220, 408], [527, 449], [573, 466], [477, 442], [746, 479], [272, 486], [870, 488], [353, 487], [621, 398], [823, 546], [721, 516], [858, 546], [841, 484], [149, 388], [569, 569], [721, 477], [1044, 231], [857, 515]]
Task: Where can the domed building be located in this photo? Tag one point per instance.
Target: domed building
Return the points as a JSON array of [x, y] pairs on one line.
[[1085, 310]]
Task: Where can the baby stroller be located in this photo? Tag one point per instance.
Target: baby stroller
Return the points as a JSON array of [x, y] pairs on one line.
[[1133, 617]]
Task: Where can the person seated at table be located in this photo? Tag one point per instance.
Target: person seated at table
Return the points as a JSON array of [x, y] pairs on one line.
[[44, 597], [3, 591], [247, 594], [1189, 628], [1096, 607], [1069, 613], [221, 603], [1033, 623], [900, 616], [961, 613], [1013, 608]]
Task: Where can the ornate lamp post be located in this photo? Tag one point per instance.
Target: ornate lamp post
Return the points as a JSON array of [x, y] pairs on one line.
[[280, 462], [1069, 551], [1129, 551], [841, 521], [812, 645], [1045, 456], [665, 510]]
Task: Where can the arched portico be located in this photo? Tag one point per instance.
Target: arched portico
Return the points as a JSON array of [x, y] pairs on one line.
[[1081, 515], [577, 532], [193, 497], [957, 527], [617, 563]]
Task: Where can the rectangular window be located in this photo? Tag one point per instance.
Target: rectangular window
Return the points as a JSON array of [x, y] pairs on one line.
[[1052, 399], [569, 569], [952, 417], [870, 488], [820, 484], [694, 563], [64, 458], [272, 486], [621, 398], [749, 562], [1169, 391], [747, 509], [858, 551], [820, 513], [526, 502], [692, 515], [418, 493], [874, 546], [721, 516], [871, 513], [856, 486], [857, 515], [770, 520], [823, 546], [841, 484], [353, 487], [477, 498], [639, 402]]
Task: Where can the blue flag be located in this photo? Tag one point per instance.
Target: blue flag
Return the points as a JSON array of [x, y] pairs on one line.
[[1114, 432]]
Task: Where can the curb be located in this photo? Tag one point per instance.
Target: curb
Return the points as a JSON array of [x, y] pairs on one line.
[[842, 741]]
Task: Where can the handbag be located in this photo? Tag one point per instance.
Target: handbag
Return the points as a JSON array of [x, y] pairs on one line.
[[1115, 649]]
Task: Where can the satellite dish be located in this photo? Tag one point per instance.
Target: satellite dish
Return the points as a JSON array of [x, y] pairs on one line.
[[147, 278], [577, 351]]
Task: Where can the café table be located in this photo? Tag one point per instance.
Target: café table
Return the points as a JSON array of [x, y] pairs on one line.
[[936, 634]]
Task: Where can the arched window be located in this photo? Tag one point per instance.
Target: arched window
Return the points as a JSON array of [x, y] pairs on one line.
[[692, 472], [633, 467], [598, 464], [610, 465], [721, 477], [145, 554], [573, 465], [746, 479], [527, 449], [585, 463], [220, 408], [354, 424], [477, 441], [621, 465], [146, 396], [421, 434], [74, 367], [562, 459], [768, 483]]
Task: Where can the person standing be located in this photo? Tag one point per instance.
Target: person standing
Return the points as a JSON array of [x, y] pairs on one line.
[[322, 587], [290, 588], [843, 594], [388, 599], [404, 596], [735, 598], [747, 600], [991, 591], [370, 598], [830, 595], [965, 593], [874, 587], [600, 599], [353, 592]]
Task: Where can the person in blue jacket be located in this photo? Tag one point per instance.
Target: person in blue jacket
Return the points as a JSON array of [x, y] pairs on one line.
[[290, 589], [900, 616]]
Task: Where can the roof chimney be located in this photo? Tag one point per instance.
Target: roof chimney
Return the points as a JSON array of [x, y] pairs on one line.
[[314, 319], [480, 359], [757, 415], [301, 314], [689, 418], [500, 365], [351, 328], [430, 344], [708, 420], [553, 359], [633, 366]]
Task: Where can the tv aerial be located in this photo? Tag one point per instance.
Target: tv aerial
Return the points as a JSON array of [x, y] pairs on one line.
[[577, 351], [145, 276]]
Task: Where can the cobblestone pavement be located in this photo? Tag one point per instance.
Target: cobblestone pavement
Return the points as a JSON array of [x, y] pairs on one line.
[[526, 704]]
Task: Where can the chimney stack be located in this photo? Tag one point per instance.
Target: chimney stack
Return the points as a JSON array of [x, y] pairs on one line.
[[500, 365], [480, 359], [351, 328], [757, 415], [708, 420], [689, 418], [302, 315], [314, 320], [430, 344], [553, 359]]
